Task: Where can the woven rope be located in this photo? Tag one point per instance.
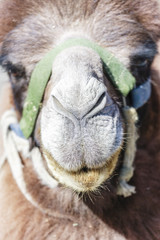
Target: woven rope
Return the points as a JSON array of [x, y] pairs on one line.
[[127, 169], [13, 145]]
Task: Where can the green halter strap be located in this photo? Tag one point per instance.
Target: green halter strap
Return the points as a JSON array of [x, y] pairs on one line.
[[117, 72]]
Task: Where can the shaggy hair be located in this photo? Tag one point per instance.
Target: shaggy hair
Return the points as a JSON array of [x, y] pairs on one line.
[[62, 214]]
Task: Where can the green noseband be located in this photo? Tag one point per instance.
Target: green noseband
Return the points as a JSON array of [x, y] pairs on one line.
[[117, 72]]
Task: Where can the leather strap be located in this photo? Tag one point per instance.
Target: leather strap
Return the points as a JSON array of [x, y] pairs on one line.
[[117, 72]]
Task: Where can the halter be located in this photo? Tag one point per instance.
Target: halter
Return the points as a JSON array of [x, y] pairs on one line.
[[117, 72], [121, 78]]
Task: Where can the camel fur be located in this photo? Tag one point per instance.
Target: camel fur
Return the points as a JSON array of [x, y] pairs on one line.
[[61, 213]]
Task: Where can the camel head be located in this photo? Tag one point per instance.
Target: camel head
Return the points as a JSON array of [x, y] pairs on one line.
[[80, 128]]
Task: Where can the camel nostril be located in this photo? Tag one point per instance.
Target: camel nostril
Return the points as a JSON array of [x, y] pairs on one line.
[[100, 104], [90, 109], [83, 99], [62, 109], [58, 105], [100, 99]]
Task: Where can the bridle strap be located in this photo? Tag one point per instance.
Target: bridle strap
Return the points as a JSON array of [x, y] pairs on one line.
[[115, 70], [141, 94]]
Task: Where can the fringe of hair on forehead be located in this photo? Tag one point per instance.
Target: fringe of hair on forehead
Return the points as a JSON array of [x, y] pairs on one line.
[[146, 12]]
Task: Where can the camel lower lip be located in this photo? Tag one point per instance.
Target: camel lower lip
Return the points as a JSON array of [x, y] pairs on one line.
[[89, 180], [84, 180]]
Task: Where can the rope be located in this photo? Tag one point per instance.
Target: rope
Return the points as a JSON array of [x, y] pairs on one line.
[[127, 169], [13, 145]]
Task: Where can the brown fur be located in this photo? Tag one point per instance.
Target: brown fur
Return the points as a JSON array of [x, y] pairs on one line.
[[60, 214]]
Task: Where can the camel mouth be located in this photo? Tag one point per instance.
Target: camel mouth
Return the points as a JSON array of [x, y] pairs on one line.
[[85, 179]]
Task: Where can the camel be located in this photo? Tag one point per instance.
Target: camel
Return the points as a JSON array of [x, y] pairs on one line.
[[80, 120]]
